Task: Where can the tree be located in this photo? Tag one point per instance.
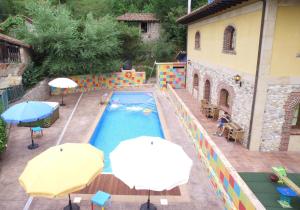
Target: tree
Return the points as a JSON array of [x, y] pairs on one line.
[[64, 45], [80, 8]]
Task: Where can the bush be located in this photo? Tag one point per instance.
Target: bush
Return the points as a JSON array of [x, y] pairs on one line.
[[150, 72], [3, 135], [32, 75]]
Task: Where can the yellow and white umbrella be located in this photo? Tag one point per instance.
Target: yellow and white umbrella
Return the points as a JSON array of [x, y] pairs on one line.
[[61, 170], [62, 83]]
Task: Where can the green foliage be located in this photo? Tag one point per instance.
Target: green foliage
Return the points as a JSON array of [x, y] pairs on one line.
[[120, 7], [68, 39], [32, 75], [175, 32], [80, 8], [66, 46], [3, 134], [131, 41], [150, 72], [159, 51], [99, 43], [11, 8], [10, 23]]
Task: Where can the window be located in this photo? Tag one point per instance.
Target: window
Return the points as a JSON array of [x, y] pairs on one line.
[[144, 27], [9, 53], [296, 117], [224, 98], [207, 90], [197, 40], [229, 40]]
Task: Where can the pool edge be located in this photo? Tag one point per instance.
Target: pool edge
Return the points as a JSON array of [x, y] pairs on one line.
[[98, 117]]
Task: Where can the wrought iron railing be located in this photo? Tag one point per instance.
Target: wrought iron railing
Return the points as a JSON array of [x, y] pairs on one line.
[[9, 53], [11, 94]]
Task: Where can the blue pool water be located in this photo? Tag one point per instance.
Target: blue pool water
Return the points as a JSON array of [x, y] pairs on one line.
[[124, 118]]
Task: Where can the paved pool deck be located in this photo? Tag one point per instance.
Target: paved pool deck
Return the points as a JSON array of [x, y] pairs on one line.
[[242, 159], [198, 193]]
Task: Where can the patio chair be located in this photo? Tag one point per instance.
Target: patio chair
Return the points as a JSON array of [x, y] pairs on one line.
[[37, 130], [100, 199]]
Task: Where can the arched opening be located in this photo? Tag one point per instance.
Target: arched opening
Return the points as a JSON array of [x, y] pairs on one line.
[[291, 127], [296, 117], [229, 39], [197, 40], [195, 85], [207, 90], [224, 98]]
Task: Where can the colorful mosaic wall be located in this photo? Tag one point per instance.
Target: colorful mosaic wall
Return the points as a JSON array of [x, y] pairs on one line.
[[171, 73], [228, 184], [96, 82]]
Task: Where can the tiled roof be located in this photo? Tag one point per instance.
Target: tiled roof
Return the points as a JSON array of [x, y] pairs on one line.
[[148, 17], [209, 9], [13, 40]]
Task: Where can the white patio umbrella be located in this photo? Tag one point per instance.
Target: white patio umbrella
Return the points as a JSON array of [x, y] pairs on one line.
[[150, 163], [62, 83]]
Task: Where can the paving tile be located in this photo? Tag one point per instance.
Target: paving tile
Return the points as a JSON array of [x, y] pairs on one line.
[[12, 162], [242, 159]]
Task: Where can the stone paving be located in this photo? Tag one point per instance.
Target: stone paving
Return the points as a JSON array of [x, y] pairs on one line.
[[198, 193], [242, 159]]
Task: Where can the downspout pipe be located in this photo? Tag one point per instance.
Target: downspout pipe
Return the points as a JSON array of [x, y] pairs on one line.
[[189, 6], [257, 69]]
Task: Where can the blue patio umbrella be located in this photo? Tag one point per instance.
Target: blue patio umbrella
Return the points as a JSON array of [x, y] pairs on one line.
[[25, 112]]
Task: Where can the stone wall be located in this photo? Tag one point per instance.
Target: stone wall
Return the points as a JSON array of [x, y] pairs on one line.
[[40, 92], [240, 96], [274, 116], [152, 33]]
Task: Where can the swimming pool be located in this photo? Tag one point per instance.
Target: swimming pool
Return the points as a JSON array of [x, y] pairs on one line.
[[128, 115]]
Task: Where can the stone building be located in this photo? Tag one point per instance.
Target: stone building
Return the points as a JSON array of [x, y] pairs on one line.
[[14, 57], [244, 56], [147, 23]]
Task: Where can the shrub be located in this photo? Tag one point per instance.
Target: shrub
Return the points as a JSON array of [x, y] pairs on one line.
[[32, 75], [150, 72], [3, 135]]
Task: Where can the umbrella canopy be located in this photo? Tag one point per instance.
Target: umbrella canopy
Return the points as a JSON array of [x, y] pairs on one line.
[[62, 83], [150, 163], [61, 170], [29, 111]]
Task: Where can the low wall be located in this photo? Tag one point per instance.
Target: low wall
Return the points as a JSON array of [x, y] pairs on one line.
[[171, 73], [111, 81], [229, 186], [40, 92]]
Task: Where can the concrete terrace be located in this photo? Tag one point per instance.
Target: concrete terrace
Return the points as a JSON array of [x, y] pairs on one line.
[[242, 159], [197, 194]]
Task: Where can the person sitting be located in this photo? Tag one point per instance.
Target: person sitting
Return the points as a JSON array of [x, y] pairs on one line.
[[225, 118]]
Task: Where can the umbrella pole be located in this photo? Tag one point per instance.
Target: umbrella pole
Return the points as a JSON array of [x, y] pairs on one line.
[[62, 100], [148, 202], [32, 145], [148, 205], [70, 204]]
